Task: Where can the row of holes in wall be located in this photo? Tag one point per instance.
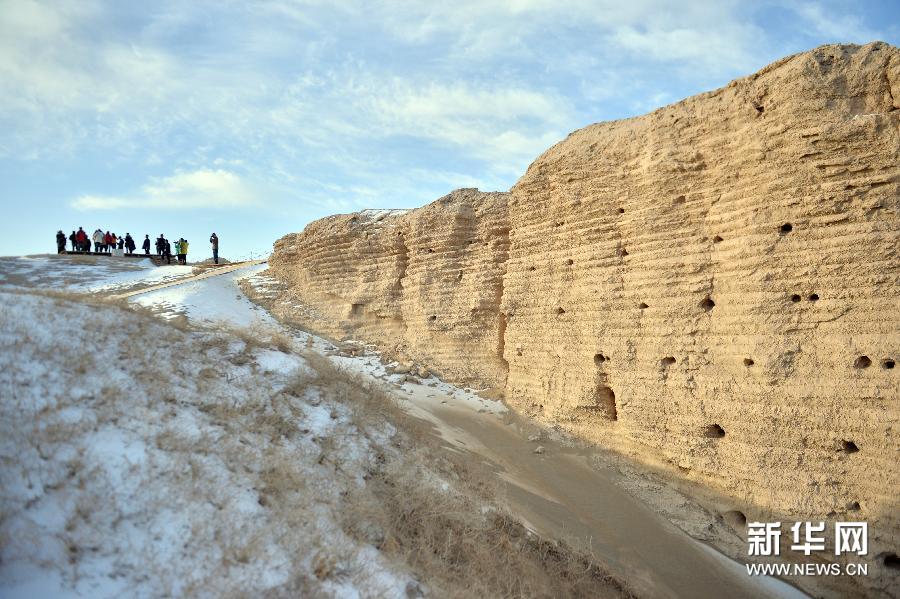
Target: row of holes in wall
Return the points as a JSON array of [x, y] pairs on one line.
[[861, 362], [866, 361], [785, 228], [606, 398], [707, 304]]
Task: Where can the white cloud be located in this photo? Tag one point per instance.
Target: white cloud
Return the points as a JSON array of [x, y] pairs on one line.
[[839, 27], [349, 88], [687, 45], [215, 189], [497, 124]]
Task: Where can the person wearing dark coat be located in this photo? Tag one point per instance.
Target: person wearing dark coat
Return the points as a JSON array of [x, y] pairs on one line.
[[214, 240], [129, 243], [60, 242], [72, 240], [167, 250], [160, 245], [146, 245]]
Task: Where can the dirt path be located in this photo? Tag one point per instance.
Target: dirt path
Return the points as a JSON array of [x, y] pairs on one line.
[[560, 495], [213, 272]]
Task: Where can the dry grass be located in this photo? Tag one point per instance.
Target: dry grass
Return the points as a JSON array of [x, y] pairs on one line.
[[457, 541]]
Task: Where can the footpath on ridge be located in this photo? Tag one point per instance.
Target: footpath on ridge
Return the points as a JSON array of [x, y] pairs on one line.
[[212, 272]]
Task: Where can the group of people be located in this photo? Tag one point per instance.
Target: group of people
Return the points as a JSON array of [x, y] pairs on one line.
[[103, 242], [164, 249], [107, 242]]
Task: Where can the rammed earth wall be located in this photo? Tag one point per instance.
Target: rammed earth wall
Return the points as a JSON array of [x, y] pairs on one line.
[[712, 287]]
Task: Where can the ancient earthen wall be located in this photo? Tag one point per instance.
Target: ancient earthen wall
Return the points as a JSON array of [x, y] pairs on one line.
[[714, 286], [425, 283]]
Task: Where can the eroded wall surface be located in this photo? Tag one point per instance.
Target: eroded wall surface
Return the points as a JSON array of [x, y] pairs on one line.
[[712, 287], [427, 283]]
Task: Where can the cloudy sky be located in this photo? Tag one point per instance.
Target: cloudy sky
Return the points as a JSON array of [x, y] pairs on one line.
[[253, 118]]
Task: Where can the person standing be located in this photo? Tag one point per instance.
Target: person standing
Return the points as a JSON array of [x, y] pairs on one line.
[[60, 242], [107, 241], [214, 240], [146, 245], [82, 241], [98, 240], [160, 245], [129, 243], [72, 239], [184, 249], [167, 249]]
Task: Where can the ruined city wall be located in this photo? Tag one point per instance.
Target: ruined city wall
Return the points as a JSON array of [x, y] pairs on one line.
[[712, 286], [425, 284]]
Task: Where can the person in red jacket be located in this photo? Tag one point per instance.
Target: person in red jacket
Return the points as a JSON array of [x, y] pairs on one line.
[[107, 241], [82, 240]]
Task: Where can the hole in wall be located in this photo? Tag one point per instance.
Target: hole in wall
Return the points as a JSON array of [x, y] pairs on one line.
[[532, 268], [853, 506], [606, 401], [736, 518], [570, 262], [432, 318], [795, 298], [786, 228], [748, 362], [759, 108], [717, 239], [560, 223], [813, 297], [621, 211], [560, 311], [679, 200], [862, 362], [887, 364], [714, 431], [356, 309], [707, 304], [643, 306], [849, 446], [430, 251], [600, 359], [890, 560], [667, 361], [622, 252]]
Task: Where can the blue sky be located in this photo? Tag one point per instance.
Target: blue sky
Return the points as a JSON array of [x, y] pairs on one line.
[[253, 118]]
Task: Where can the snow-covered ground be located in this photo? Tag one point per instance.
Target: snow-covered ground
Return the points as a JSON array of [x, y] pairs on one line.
[[94, 274], [216, 299], [224, 456], [145, 460]]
